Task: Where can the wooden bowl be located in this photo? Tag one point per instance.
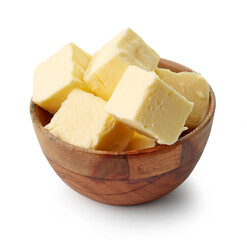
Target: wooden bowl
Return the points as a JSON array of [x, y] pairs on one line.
[[128, 177]]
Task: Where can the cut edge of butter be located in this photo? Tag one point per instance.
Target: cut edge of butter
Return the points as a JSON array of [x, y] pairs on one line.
[[139, 142], [149, 106], [193, 87], [82, 121], [56, 77], [110, 62]]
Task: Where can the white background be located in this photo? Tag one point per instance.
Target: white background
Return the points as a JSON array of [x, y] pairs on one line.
[[207, 36]]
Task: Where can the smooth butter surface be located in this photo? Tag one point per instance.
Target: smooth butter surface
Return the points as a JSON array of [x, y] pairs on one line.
[[193, 87], [109, 63], [55, 78], [150, 106], [82, 121], [139, 141]]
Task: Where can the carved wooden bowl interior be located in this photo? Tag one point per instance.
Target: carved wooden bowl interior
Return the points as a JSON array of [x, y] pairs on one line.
[[128, 177]]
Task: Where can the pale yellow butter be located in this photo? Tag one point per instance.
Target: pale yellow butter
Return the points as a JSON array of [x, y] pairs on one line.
[[82, 121], [193, 87], [55, 78], [109, 63], [150, 106], [139, 141]]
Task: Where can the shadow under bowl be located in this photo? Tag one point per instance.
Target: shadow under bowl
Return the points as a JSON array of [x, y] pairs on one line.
[[127, 177]]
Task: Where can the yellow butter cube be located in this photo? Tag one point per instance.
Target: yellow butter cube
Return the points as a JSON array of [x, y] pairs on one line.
[[193, 87], [109, 63], [55, 78], [139, 141], [148, 105], [82, 121]]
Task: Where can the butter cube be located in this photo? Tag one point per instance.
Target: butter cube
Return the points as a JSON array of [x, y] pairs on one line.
[[139, 141], [109, 63], [82, 121], [148, 105], [55, 78], [193, 87]]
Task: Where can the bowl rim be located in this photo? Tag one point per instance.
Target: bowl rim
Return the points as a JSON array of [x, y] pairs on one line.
[[209, 115]]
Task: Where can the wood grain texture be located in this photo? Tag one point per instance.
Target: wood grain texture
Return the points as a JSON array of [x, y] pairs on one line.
[[128, 177]]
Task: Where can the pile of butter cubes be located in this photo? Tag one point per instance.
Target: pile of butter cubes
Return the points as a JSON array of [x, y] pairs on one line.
[[118, 99]]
